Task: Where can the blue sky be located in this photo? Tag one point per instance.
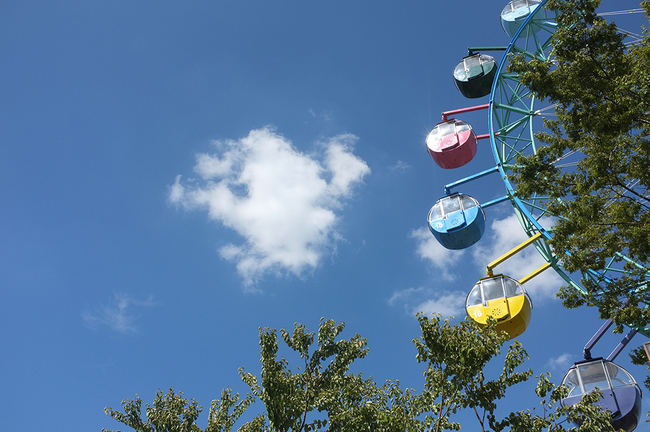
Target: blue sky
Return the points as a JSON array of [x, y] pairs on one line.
[[178, 174]]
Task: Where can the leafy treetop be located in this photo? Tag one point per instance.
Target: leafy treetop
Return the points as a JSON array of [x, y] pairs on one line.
[[601, 88], [322, 395]]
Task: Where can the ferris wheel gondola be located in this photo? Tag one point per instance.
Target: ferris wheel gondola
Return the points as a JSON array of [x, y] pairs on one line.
[[502, 298], [457, 221], [621, 394], [452, 144], [515, 14], [474, 75]]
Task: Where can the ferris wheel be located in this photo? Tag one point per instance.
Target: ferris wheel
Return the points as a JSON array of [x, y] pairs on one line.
[[457, 220]]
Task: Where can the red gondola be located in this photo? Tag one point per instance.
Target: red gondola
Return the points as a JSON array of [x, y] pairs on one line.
[[452, 144]]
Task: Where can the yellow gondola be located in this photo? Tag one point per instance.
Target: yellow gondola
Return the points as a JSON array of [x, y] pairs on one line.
[[502, 298]]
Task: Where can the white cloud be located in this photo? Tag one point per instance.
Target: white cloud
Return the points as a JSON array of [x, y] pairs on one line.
[[346, 168], [209, 167], [282, 202], [176, 191], [325, 116], [562, 362], [428, 248], [118, 314], [400, 166], [447, 304], [404, 294], [430, 301], [503, 236]]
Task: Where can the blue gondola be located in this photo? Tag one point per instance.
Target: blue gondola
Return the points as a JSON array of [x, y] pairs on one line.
[[474, 75], [621, 393], [515, 13], [457, 221]]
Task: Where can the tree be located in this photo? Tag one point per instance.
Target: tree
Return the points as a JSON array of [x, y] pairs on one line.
[[601, 89], [171, 412], [586, 414], [322, 395], [456, 357], [293, 399]]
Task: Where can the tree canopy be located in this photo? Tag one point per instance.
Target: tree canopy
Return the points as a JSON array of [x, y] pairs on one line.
[[323, 395], [600, 86]]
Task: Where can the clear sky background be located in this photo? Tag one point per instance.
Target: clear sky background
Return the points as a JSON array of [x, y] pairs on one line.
[[176, 175]]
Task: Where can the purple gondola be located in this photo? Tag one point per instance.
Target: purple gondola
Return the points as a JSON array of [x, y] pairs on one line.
[[621, 393]]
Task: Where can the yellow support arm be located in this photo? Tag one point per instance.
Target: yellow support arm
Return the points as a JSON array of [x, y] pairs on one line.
[[535, 273], [512, 252]]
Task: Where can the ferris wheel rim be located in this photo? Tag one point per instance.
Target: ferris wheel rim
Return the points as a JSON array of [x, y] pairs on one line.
[[527, 220]]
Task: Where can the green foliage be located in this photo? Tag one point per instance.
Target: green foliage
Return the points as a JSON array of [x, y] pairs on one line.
[[589, 417], [220, 418], [169, 412], [601, 89], [454, 378], [325, 385], [639, 357], [322, 395], [289, 397]]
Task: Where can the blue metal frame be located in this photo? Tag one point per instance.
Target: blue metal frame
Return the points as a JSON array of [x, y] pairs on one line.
[[510, 121]]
